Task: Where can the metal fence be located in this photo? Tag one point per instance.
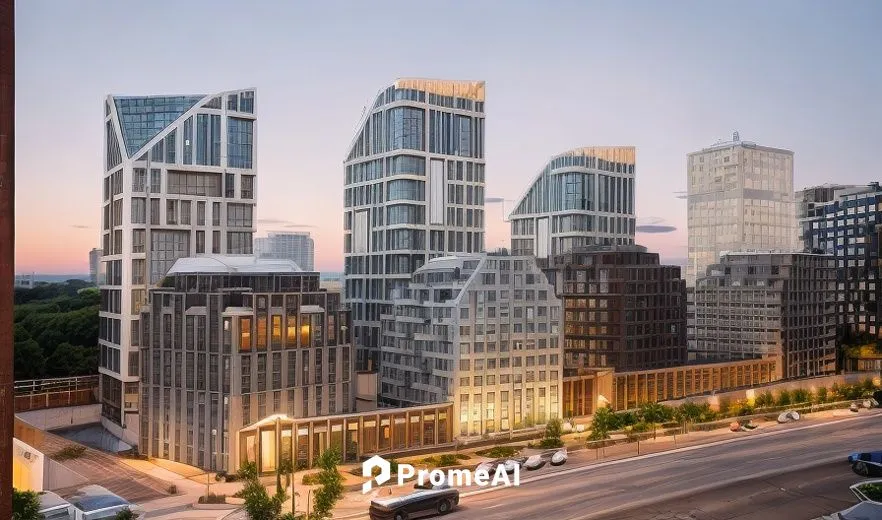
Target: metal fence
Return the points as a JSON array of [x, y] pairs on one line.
[[39, 394]]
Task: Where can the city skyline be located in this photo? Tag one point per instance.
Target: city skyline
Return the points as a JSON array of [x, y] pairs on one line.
[[759, 78]]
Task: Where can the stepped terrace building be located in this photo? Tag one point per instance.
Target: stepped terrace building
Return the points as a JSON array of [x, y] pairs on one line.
[[482, 331]]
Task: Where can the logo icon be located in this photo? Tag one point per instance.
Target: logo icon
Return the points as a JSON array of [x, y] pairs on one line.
[[367, 470]]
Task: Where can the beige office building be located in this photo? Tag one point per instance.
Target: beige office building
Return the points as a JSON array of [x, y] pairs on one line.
[[740, 198]]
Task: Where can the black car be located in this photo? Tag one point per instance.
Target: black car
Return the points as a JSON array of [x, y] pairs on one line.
[[424, 501], [868, 464]]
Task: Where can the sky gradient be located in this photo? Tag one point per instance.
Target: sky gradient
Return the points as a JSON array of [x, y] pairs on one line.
[[667, 77]]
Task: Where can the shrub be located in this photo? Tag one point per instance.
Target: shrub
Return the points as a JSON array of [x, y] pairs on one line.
[[873, 491], [499, 452], [695, 413], [764, 399], [126, 514], [801, 395], [25, 505], [743, 408], [213, 499], [822, 396], [312, 479], [248, 471], [220, 476], [549, 443], [784, 398], [73, 451], [445, 460]]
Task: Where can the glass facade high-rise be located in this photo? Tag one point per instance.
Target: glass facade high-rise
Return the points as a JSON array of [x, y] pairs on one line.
[[846, 222], [413, 190], [740, 198], [582, 197], [179, 180], [297, 246]]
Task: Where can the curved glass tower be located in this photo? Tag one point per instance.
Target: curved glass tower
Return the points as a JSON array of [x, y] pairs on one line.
[[413, 190], [582, 197]]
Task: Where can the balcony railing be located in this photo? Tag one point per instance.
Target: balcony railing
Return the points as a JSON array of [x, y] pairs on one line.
[[39, 394]]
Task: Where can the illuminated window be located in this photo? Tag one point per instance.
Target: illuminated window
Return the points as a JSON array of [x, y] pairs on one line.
[[261, 332], [291, 340], [305, 332], [277, 331], [244, 334]]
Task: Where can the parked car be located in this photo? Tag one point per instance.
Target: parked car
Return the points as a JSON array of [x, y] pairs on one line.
[[425, 500], [865, 509]]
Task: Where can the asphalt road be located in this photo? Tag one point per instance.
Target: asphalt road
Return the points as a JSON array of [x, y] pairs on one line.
[[718, 481]]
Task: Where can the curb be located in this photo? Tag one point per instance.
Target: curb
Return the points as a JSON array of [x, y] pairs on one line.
[[584, 467]]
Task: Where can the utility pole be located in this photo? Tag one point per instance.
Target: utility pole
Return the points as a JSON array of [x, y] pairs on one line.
[[7, 248]]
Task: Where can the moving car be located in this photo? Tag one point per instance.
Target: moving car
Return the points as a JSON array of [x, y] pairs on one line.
[[425, 500], [872, 456], [868, 464]]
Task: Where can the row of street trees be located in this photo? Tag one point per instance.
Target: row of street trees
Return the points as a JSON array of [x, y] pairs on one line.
[[260, 505]]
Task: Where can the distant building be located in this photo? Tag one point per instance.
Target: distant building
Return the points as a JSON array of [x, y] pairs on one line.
[[179, 180], [413, 189], [846, 222], [25, 281], [752, 305], [482, 331], [582, 197], [94, 264], [229, 341], [298, 247], [740, 198]]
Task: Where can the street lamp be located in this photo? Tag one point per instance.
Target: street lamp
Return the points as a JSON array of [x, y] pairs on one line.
[[207, 471]]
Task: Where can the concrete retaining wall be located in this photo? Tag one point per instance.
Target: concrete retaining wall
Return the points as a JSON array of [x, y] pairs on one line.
[[54, 418], [811, 384]]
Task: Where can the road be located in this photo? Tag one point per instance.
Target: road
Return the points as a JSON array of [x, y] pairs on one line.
[[715, 477]]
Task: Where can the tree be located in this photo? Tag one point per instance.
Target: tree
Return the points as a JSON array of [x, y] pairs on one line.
[[126, 514], [25, 505], [331, 485], [29, 361], [69, 360], [258, 503], [603, 422], [553, 431]]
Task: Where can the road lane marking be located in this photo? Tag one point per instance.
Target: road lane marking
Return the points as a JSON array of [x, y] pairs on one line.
[[707, 487], [685, 449]]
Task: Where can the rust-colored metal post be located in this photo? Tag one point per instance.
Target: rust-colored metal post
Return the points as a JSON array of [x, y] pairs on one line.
[[7, 248]]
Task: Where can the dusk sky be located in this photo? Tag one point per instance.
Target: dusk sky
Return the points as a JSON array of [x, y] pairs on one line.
[[667, 77]]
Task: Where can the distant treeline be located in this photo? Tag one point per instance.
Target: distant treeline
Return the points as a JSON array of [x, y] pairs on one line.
[[56, 330]]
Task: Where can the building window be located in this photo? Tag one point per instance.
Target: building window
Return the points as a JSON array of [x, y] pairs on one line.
[[247, 187], [305, 332], [277, 331], [291, 340], [239, 215], [245, 334], [261, 332], [240, 142]]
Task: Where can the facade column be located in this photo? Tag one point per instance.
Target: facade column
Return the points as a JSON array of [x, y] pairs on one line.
[[7, 248]]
